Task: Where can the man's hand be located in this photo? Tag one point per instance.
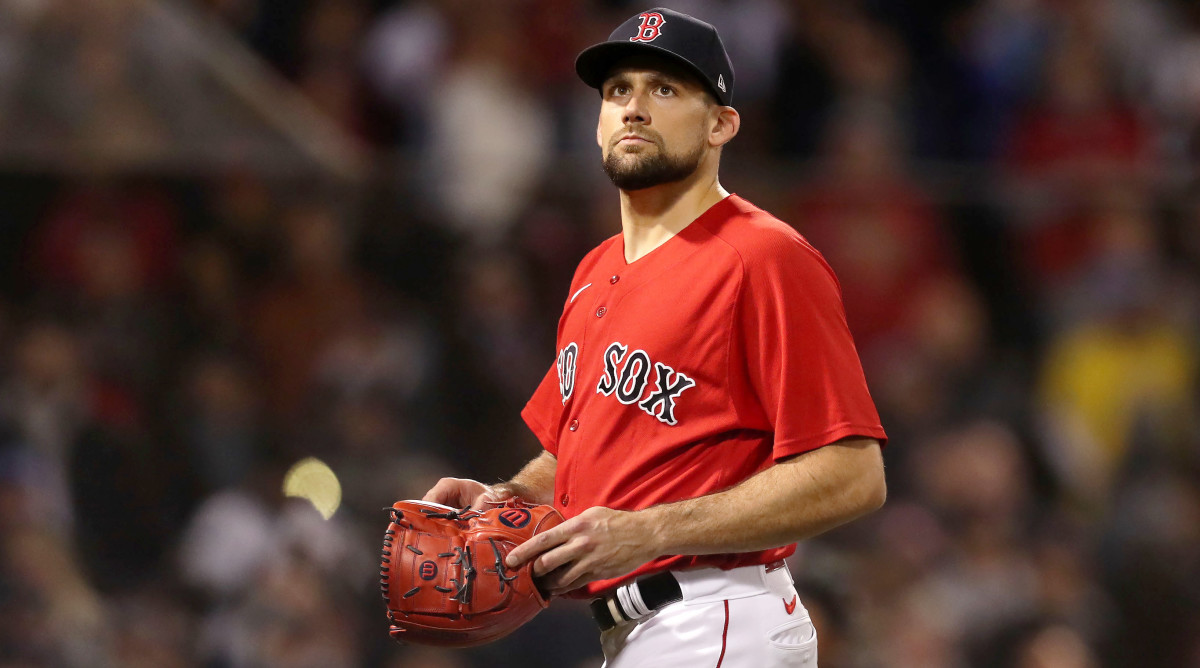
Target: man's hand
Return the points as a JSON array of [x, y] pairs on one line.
[[598, 544], [460, 492]]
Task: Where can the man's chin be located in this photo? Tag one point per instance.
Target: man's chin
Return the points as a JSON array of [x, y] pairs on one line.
[[639, 171], [638, 180], [634, 153]]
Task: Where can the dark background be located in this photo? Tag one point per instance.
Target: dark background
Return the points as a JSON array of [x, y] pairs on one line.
[[238, 233]]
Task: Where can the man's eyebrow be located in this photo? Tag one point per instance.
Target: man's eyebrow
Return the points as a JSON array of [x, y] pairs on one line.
[[619, 78], [664, 78], [656, 77]]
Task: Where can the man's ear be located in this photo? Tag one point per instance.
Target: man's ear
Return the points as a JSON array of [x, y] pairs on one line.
[[725, 126], [599, 138]]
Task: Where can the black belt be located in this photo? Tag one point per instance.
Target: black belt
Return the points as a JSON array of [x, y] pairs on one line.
[[622, 605]]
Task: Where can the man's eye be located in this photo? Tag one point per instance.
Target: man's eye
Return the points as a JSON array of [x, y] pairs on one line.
[[666, 90]]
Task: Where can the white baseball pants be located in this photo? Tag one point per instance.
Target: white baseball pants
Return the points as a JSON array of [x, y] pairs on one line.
[[741, 618]]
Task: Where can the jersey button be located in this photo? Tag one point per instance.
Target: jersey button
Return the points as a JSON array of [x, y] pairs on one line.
[[614, 279], [601, 311], [566, 498], [574, 425]]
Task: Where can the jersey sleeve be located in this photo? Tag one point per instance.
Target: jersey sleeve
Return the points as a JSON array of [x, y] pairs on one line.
[[544, 410], [802, 365]]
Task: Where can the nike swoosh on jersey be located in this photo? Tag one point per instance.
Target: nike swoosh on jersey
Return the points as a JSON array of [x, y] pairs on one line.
[[790, 607], [579, 291]]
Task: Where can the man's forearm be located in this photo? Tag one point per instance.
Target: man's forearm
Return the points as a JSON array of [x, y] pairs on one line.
[[535, 481], [790, 501]]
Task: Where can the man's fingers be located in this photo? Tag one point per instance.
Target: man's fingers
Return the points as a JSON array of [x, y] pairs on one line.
[[568, 588], [481, 501], [550, 560], [565, 579], [552, 582], [531, 548], [526, 551], [435, 494], [454, 492]]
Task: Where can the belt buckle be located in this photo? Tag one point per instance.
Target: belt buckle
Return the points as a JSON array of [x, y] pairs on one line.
[[641, 599], [606, 610]]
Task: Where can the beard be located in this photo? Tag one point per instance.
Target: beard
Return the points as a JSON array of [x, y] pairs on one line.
[[637, 171]]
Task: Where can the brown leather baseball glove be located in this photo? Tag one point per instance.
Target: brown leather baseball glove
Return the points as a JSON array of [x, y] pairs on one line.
[[443, 574]]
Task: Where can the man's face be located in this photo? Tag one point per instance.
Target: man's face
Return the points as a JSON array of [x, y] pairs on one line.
[[654, 123]]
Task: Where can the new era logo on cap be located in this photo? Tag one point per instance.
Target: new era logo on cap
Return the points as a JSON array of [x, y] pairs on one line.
[[663, 32]]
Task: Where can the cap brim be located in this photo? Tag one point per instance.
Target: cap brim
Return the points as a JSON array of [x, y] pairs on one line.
[[595, 62]]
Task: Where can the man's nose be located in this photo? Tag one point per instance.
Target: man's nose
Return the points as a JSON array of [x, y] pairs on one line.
[[635, 111]]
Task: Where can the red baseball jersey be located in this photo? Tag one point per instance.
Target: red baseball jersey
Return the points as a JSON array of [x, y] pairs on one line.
[[682, 374]]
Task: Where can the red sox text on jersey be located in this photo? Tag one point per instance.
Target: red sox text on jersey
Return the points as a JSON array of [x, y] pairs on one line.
[[627, 375]]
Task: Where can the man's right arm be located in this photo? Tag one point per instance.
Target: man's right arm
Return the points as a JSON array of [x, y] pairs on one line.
[[534, 483]]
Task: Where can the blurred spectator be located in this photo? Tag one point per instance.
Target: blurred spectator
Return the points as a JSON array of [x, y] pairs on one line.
[[803, 93], [1174, 83], [329, 71], [275, 578], [404, 52], [1055, 647], [1151, 551], [222, 422], [1079, 133], [150, 630], [246, 223], [977, 480], [212, 300], [299, 315], [875, 226], [428, 657], [104, 257], [45, 403], [373, 388], [490, 136], [100, 213], [241, 535], [54, 617], [499, 325], [381, 348], [79, 84], [1126, 371], [288, 619], [1005, 47]]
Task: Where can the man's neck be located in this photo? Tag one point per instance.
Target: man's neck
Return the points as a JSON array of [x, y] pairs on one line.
[[650, 217]]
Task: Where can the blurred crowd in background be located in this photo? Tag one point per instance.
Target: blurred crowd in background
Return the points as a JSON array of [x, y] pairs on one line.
[[1006, 188]]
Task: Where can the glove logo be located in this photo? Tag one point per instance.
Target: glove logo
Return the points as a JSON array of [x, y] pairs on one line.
[[515, 517], [428, 570]]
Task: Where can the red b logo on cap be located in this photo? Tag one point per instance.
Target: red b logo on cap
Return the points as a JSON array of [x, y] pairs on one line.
[[650, 29]]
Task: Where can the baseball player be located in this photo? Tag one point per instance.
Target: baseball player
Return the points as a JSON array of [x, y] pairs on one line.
[[707, 408]]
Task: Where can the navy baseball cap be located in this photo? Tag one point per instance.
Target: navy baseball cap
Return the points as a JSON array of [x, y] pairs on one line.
[[665, 32]]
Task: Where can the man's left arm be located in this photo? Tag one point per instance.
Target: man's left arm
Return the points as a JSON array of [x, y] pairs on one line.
[[794, 499]]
